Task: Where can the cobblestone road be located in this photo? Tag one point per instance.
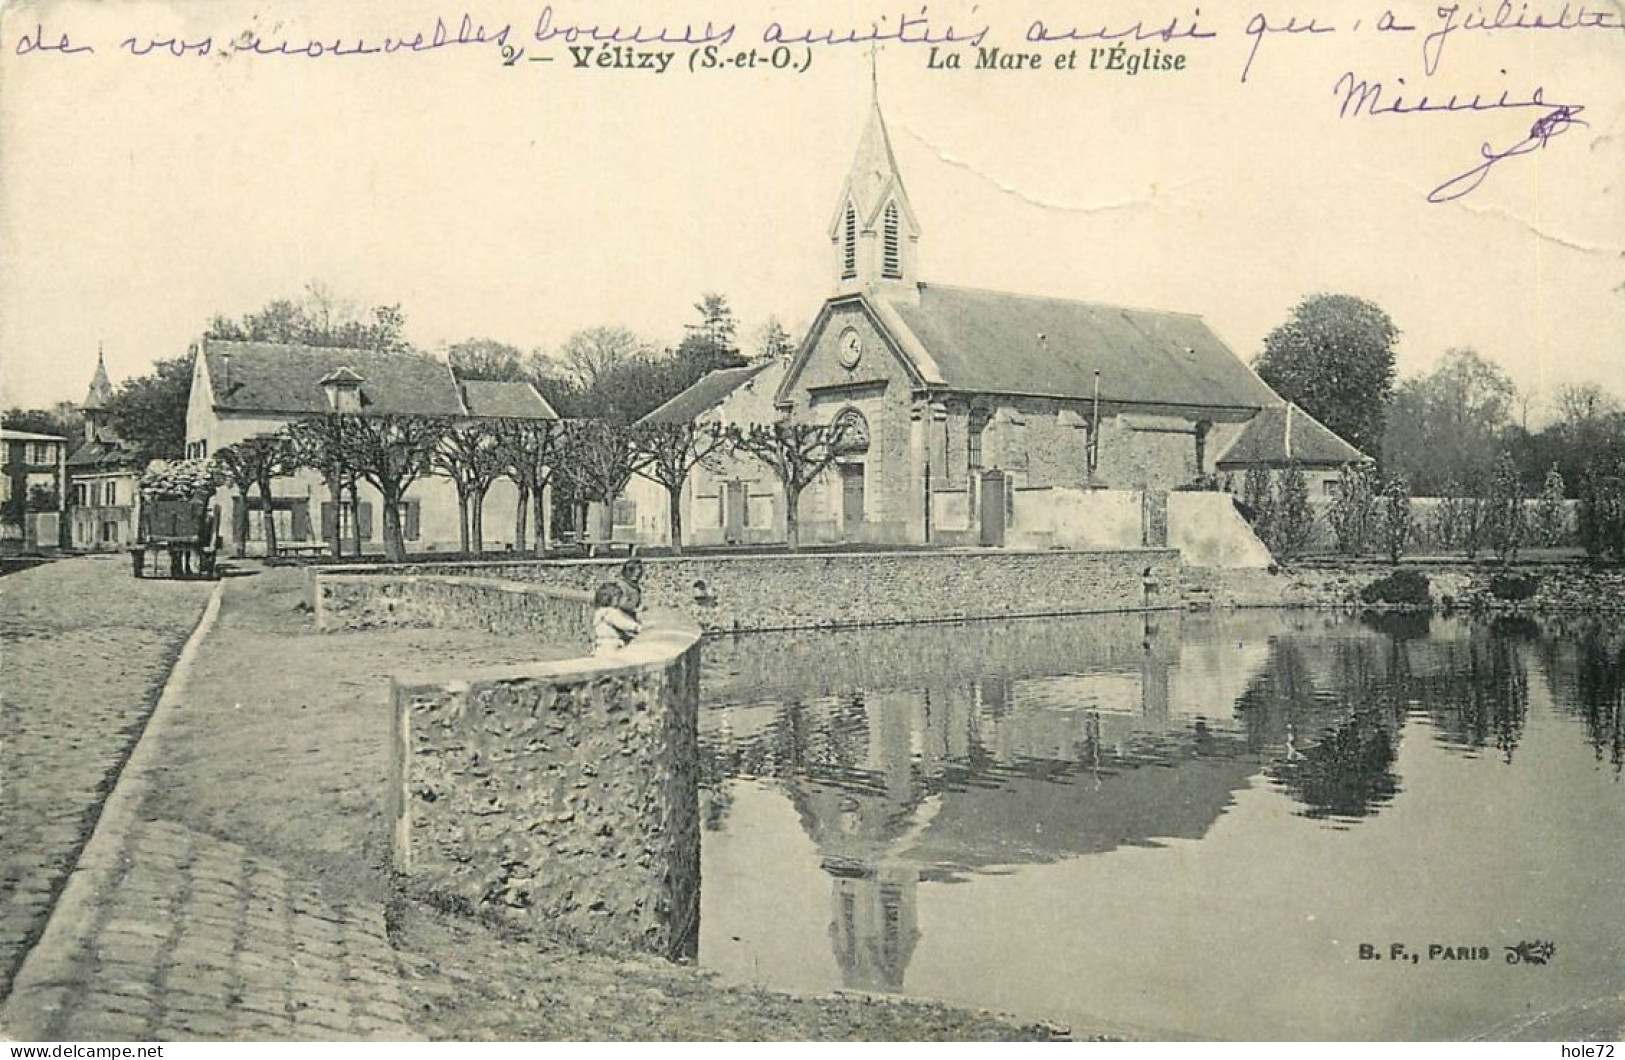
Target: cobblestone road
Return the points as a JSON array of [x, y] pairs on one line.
[[84, 649], [201, 939]]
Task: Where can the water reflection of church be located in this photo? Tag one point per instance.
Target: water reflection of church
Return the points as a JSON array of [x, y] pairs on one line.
[[975, 754], [973, 771]]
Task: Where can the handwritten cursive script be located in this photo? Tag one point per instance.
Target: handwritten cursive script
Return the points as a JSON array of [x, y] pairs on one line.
[[1546, 128], [904, 29], [1506, 15]]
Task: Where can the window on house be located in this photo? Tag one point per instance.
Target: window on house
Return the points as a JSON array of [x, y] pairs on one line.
[[112, 493], [891, 260], [849, 245], [39, 453]]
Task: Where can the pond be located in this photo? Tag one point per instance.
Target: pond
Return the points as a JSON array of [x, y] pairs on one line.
[[1177, 825]]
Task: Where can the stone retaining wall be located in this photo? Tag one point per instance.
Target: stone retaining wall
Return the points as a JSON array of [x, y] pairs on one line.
[[563, 795], [833, 590], [557, 616]]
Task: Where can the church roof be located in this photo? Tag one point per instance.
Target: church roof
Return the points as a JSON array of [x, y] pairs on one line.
[[706, 393], [1284, 434], [992, 342], [515, 398], [280, 378]]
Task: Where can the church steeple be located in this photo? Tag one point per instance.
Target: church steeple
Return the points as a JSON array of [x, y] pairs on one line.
[[96, 398], [101, 391], [874, 234]]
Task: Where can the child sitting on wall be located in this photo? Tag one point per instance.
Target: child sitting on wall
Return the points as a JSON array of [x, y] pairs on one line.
[[612, 627]]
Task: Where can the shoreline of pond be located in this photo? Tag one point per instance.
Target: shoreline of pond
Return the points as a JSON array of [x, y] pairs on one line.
[[1449, 587]]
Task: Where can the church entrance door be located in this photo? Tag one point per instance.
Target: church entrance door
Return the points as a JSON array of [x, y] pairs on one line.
[[851, 500]]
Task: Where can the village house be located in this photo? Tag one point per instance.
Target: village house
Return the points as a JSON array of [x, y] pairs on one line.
[[104, 500], [243, 389], [32, 475], [730, 498]]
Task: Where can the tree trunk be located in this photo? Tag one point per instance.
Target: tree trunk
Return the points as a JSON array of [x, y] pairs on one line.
[[355, 516], [538, 500], [674, 504], [239, 527], [476, 520], [394, 538], [335, 497], [462, 516], [521, 515], [792, 519], [267, 516]]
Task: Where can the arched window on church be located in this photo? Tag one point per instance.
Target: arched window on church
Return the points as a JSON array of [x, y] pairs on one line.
[[849, 245], [891, 260]]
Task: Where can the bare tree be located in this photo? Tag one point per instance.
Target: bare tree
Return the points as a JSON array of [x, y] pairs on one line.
[[471, 455], [257, 461], [668, 452], [599, 459], [592, 355], [528, 452], [391, 452], [797, 453], [319, 442]]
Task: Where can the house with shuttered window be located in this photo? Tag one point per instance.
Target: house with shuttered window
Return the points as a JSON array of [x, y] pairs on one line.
[[243, 389]]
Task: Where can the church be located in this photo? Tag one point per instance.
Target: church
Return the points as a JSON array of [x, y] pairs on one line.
[[974, 417]]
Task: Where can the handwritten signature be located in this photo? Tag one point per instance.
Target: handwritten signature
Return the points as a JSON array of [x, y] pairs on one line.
[[1546, 128], [1360, 97]]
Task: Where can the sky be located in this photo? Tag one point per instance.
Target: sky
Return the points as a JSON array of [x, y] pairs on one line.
[[141, 195]]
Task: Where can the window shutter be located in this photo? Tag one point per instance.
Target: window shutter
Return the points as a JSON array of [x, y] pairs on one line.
[[365, 520], [413, 519], [849, 248], [892, 261]]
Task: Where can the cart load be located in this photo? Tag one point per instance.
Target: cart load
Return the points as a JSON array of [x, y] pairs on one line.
[[177, 519]]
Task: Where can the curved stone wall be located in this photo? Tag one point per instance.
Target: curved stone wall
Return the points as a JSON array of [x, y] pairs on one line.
[[561, 795]]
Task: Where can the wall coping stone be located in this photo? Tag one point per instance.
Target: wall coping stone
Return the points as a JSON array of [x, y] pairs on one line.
[[400, 569], [666, 635]]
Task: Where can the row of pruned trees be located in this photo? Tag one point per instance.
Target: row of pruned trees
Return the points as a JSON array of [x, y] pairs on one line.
[[593, 459], [1492, 514]]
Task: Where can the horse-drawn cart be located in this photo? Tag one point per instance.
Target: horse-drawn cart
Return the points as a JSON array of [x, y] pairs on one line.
[[178, 520]]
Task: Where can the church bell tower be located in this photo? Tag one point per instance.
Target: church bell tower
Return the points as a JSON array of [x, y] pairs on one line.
[[874, 235]]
